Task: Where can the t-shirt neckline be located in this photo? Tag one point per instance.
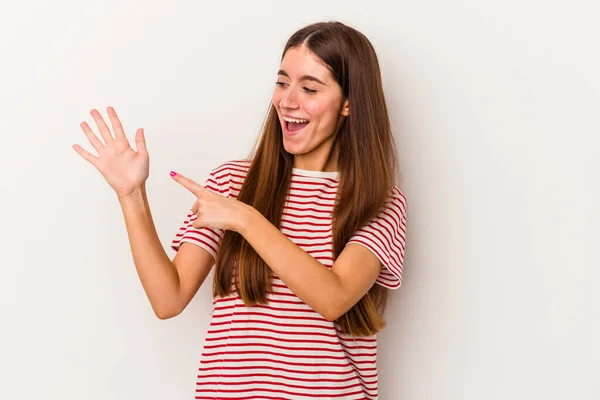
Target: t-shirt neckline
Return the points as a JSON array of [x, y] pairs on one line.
[[316, 174]]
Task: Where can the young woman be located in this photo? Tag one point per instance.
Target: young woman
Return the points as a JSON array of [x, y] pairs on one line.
[[306, 236]]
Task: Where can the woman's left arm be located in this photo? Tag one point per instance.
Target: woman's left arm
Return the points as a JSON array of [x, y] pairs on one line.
[[330, 292]]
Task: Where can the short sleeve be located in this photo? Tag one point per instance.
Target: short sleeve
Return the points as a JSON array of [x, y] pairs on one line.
[[207, 238], [385, 237]]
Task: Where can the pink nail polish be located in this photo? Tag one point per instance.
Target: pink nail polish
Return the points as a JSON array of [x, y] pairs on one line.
[[173, 173]]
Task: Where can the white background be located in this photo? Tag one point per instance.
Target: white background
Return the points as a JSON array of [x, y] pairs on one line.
[[495, 106]]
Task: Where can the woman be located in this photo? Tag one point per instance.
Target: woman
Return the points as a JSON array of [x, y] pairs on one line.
[[306, 236]]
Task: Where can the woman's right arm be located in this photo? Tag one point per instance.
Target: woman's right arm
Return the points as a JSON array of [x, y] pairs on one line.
[[169, 285]]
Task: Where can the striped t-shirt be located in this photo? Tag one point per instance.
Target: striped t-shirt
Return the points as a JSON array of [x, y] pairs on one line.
[[286, 350]]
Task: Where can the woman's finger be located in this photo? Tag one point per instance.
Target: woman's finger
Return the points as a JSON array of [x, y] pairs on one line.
[[102, 127], [92, 159], [140, 142], [195, 207], [116, 123], [93, 139], [189, 184], [198, 224]]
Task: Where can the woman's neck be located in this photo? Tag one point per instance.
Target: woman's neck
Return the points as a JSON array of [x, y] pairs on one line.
[[326, 162]]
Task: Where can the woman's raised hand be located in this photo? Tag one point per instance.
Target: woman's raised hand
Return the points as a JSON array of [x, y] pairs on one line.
[[125, 169]]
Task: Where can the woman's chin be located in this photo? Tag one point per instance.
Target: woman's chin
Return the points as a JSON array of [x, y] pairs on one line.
[[291, 147]]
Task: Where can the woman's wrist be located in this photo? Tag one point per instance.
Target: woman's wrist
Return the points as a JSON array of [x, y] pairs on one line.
[[135, 196], [245, 216]]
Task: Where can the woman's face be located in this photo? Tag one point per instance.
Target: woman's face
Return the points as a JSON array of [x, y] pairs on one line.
[[306, 91]]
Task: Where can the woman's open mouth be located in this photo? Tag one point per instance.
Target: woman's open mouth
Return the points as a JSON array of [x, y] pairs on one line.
[[293, 128]]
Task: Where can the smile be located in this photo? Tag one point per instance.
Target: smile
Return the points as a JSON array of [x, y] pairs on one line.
[[292, 128]]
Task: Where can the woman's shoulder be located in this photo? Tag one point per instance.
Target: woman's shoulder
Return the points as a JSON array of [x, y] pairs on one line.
[[235, 167], [397, 199], [397, 193], [227, 178]]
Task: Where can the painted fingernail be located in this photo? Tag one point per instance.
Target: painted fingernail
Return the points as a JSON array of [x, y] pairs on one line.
[[173, 173]]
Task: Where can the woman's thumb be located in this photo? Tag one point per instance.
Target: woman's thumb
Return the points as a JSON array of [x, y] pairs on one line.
[[140, 142]]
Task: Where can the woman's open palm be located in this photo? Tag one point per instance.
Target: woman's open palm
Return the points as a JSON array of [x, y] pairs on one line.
[[124, 169]]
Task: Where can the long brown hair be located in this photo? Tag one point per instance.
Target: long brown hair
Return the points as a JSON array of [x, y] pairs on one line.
[[366, 164]]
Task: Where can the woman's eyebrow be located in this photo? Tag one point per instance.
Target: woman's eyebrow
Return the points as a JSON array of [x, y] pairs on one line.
[[303, 77]]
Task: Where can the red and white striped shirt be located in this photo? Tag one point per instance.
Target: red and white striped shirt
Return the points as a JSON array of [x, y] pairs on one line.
[[286, 350]]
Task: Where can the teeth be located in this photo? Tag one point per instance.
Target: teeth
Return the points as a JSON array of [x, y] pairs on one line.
[[298, 121]]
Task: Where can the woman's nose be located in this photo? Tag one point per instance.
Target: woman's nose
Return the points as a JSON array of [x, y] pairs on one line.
[[289, 99]]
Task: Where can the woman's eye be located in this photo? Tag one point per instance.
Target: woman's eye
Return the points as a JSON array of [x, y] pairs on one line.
[[307, 90]]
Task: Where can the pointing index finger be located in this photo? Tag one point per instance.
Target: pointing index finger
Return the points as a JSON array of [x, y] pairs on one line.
[[187, 183]]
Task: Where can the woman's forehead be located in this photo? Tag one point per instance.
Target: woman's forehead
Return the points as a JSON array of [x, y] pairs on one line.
[[301, 62]]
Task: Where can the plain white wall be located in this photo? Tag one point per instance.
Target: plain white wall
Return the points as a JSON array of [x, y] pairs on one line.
[[495, 106]]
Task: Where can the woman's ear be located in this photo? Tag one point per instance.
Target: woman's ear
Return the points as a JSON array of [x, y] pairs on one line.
[[346, 108]]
